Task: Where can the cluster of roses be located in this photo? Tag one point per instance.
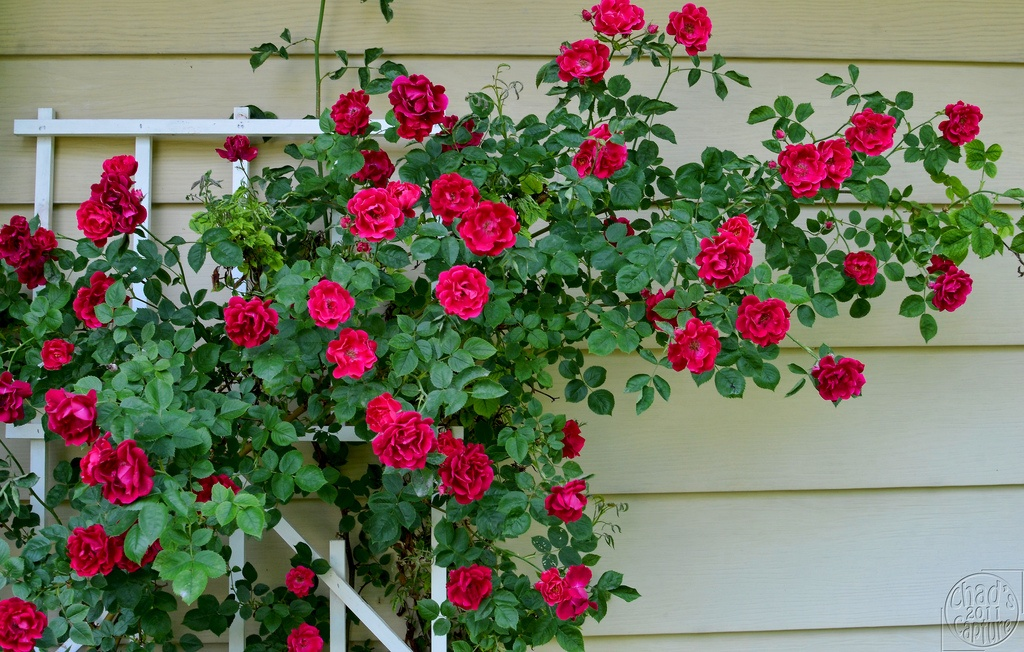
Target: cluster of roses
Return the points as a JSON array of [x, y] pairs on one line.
[[951, 286], [92, 551], [27, 252], [599, 156], [114, 206]]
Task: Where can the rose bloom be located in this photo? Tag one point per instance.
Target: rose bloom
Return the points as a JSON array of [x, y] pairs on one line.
[[652, 301], [861, 266], [691, 27], [585, 59], [552, 586], [612, 17], [572, 440], [92, 552], [467, 474], [567, 501], [121, 165], [89, 297], [148, 558], [802, 169], [489, 228], [351, 113], [962, 125], [838, 161], [95, 221], [305, 638], [132, 478], [452, 195], [125, 202], [871, 132], [405, 196], [469, 585], [694, 347], [377, 168], [381, 411], [100, 463], [418, 104], [56, 353], [577, 599], [206, 485], [237, 148], [21, 625], [739, 227], [941, 265], [405, 442], [15, 241], [329, 304], [599, 156], [249, 323], [354, 353], [30, 272], [462, 291], [299, 581], [72, 416], [12, 397], [951, 289], [762, 322], [838, 380], [722, 260], [376, 214]]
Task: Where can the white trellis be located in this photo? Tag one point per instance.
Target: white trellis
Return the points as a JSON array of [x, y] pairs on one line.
[[45, 129]]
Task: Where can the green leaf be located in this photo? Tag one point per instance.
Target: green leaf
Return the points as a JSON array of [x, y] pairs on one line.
[[830, 80], [929, 327], [570, 638], [601, 401], [618, 86], [784, 106], [479, 348], [626, 194], [116, 294], [487, 388], [854, 73], [804, 111], [159, 393], [830, 281], [824, 305], [912, 306], [760, 114], [227, 254], [730, 383], [310, 478], [197, 256], [602, 342]]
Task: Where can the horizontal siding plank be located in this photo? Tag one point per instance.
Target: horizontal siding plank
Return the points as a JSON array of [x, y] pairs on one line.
[[914, 29]]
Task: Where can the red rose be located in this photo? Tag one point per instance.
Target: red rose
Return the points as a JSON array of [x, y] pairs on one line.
[[577, 599], [838, 379], [30, 272], [489, 228], [552, 586], [237, 148], [694, 347], [15, 241], [405, 442], [418, 104], [56, 353], [130, 566], [354, 353], [249, 323], [377, 168], [738, 227], [572, 440], [89, 297], [861, 266], [469, 585], [405, 196], [583, 60], [762, 322], [452, 195], [381, 411], [123, 165], [95, 221], [838, 161], [448, 445], [652, 301], [351, 113], [299, 581], [100, 463], [462, 291], [92, 552], [691, 27], [12, 397], [951, 289], [329, 304], [21, 625], [612, 17], [460, 143], [376, 214], [940, 264], [133, 476], [722, 260], [467, 473], [802, 169], [962, 125], [206, 485], [567, 501], [72, 416], [305, 638], [871, 132], [600, 156], [124, 201]]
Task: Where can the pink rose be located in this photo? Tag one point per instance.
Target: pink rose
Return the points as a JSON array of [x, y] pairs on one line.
[[762, 322], [12, 397], [738, 227], [92, 552], [467, 473], [249, 323], [21, 625], [354, 353], [351, 113], [861, 266], [132, 477], [552, 586], [206, 485], [838, 380], [694, 347], [802, 169], [962, 125], [377, 168], [405, 196], [489, 228], [299, 581], [577, 599], [72, 416], [583, 60], [462, 291], [951, 289], [418, 104], [99, 465], [405, 441], [56, 353], [599, 156], [612, 17], [722, 261], [871, 132], [651, 302], [469, 585], [89, 297], [567, 501], [381, 411], [305, 638], [838, 161], [329, 304], [691, 27], [95, 221], [452, 195], [572, 440], [376, 214], [237, 148]]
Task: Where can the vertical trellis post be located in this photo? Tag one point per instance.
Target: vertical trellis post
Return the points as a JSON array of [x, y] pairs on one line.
[[144, 182]]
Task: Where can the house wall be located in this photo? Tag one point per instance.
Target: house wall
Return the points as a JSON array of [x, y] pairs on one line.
[[766, 523]]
